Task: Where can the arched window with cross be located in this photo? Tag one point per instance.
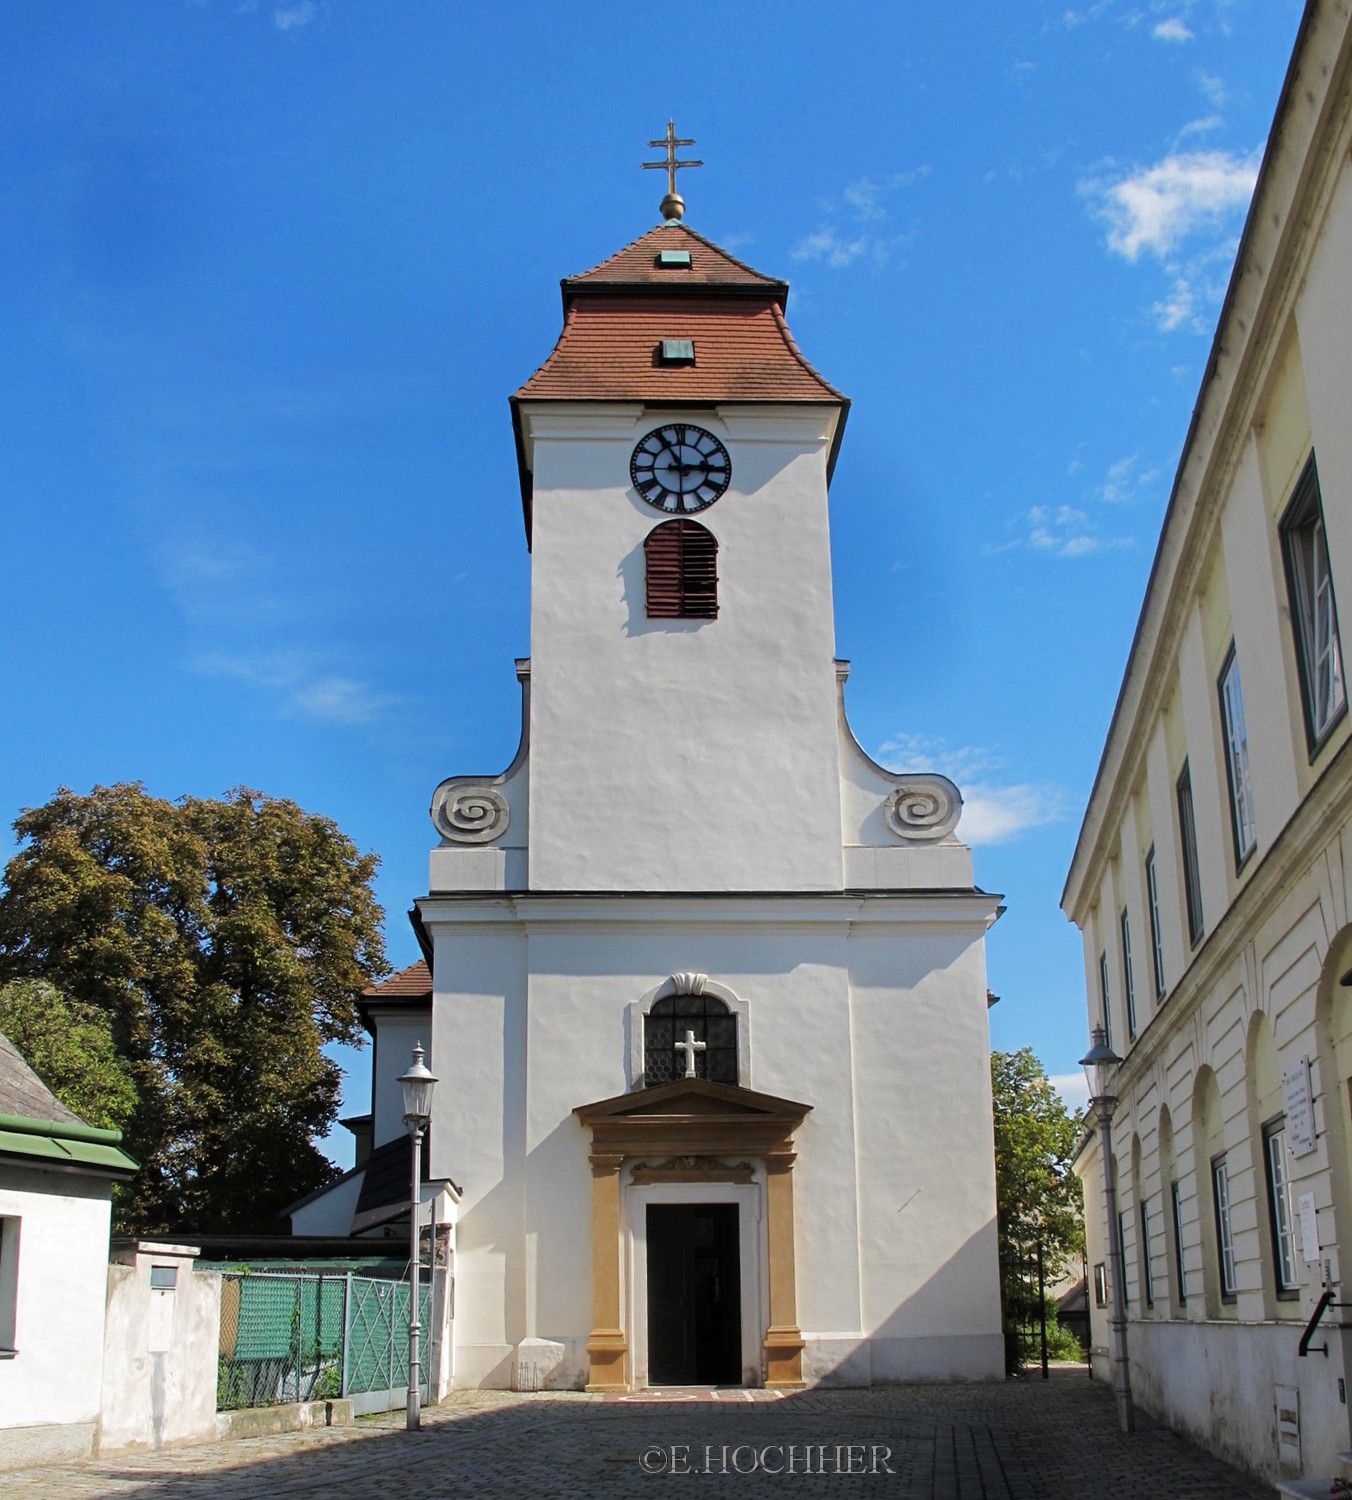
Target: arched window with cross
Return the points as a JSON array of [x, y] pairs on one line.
[[689, 1036]]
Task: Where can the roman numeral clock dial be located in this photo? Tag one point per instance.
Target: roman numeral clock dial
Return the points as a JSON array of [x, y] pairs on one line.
[[679, 468]]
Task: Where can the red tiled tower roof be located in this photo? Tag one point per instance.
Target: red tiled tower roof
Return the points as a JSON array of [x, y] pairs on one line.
[[617, 315], [412, 983]]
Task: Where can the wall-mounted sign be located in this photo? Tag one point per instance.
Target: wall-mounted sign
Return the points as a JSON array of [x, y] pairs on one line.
[[1299, 1108]]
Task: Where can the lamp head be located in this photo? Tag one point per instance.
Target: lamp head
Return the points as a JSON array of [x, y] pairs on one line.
[[417, 1085], [1098, 1064]]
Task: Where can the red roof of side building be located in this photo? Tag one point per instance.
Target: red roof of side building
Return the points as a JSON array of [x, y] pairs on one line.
[[412, 983]]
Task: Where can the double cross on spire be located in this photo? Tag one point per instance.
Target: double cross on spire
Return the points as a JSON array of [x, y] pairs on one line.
[[673, 205]]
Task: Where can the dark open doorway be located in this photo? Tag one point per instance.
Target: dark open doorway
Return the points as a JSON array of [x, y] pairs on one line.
[[694, 1294]]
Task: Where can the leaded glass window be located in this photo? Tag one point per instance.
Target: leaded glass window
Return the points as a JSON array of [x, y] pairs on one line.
[[708, 1020]]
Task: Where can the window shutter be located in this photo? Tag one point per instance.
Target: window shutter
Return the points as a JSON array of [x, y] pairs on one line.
[[682, 569]]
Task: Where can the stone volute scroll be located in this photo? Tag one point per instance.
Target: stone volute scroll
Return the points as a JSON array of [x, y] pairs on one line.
[[925, 806], [468, 811]]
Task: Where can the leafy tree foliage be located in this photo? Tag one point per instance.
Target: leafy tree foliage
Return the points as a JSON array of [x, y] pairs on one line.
[[1038, 1197], [226, 942], [70, 1047]]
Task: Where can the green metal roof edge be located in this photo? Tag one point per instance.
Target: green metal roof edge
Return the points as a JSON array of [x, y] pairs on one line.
[[97, 1155], [63, 1130]]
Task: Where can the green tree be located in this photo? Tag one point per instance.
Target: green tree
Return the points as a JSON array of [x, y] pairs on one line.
[[70, 1047], [1038, 1197], [226, 941]]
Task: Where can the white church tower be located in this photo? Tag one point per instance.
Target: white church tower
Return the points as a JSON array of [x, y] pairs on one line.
[[709, 992]]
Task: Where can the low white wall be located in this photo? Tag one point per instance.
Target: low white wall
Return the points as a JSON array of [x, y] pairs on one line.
[[49, 1390], [160, 1350], [1216, 1382]]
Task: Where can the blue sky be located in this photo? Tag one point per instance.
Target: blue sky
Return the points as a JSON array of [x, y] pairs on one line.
[[270, 271]]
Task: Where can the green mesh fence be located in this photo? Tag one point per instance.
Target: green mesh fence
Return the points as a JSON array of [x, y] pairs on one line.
[[299, 1336], [281, 1338]]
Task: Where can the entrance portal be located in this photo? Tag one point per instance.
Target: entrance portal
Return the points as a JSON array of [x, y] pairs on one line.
[[694, 1294]]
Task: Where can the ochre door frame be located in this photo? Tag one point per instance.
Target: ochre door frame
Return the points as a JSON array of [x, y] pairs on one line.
[[691, 1131]]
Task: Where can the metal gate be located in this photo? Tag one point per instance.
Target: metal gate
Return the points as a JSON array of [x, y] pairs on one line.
[[375, 1352], [298, 1336]]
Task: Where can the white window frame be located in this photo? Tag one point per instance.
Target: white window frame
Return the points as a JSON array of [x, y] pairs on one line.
[[1225, 1231], [1147, 1270], [1176, 1204], [10, 1226], [1314, 611], [1192, 868], [1128, 980], [1107, 1005], [1281, 1217], [1243, 824], [1152, 891]]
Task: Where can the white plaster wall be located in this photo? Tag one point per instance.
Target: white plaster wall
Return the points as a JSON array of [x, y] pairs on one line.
[[538, 1024], [1210, 792], [925, 1165], [59, 1318], [160, 1355], [332, 1212], [1271, 713], [682, 754], [1324, 318], [396, 1035]]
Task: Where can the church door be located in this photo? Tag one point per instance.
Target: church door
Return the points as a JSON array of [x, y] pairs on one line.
[[694, 1294]]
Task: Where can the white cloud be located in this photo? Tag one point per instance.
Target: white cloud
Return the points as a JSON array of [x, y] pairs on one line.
[[825, 244], [868, 198], [293, 17], [1188, 193], [1058, 531], [992, 812], [299, 679], [1072, 1087], [1201, 127], [1175, 29], [1214, 88]]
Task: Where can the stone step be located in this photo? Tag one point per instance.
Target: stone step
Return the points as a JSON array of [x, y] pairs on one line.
[[1305, 1489]]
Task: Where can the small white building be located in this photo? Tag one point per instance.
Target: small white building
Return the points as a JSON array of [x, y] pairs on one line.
[[56, 1183], [1212, 880], [707, 989]]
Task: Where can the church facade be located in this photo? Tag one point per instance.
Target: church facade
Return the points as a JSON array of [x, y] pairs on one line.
[[709, 993], [708, 989]]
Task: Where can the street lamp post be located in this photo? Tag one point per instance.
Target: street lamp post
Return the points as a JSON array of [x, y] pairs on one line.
[[417, 1085], [1098, 1064]]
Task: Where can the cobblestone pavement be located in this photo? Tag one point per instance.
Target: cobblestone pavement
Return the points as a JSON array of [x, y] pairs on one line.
[[1023, 1440]]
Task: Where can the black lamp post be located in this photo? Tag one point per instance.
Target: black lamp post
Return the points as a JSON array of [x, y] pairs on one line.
[[417, 1085], [1099, 1064]]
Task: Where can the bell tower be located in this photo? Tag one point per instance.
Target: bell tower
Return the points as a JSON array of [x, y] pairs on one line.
[[675, 451]]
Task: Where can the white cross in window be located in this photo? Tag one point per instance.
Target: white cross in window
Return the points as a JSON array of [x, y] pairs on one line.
[[690, 1046]]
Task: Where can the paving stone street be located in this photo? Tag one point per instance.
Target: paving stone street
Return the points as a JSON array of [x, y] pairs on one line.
[[1021, 1440]]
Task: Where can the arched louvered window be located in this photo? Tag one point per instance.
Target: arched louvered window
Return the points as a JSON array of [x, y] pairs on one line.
[[682, 566], [680, 1027]]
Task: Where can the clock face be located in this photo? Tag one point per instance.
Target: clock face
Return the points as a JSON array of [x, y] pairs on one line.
[[679, 468]]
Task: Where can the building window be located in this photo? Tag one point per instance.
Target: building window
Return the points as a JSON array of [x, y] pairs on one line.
[[1152, 890], [682, 1027], [9, 1285], [1103, 992], [1147, 1271], [1128, 982], [1180, 1268], [1100, 1285], [1192, 876], [1237, 760], [1280, 1217], [682, 571], [1314, 614], [1225, 1237], [1122, 1253]]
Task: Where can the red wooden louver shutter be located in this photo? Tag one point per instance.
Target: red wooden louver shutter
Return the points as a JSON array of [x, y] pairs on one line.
[[682, 567]]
